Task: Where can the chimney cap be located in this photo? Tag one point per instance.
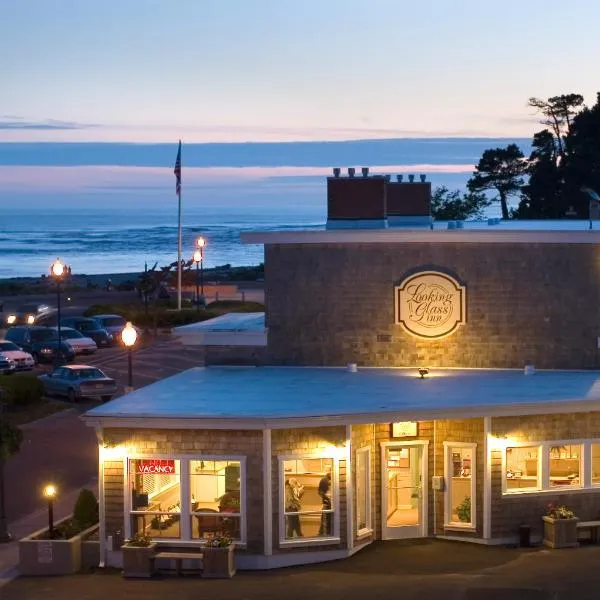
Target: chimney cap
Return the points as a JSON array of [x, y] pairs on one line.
[[351, 171], [365, 171], [336, 171], [399, 178], [422, 177]]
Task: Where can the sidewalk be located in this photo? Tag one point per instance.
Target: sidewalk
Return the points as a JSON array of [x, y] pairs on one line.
[[9, 553]]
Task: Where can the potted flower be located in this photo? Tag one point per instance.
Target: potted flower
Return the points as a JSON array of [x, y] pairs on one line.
[[138, 556], [218, 557], [560, 527]]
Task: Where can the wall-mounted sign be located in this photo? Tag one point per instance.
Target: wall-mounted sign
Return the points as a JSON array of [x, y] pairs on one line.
[[156, 466], [404, 429], [430, 304]]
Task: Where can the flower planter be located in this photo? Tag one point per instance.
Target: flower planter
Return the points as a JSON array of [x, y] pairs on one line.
[[138, 561], [51, 557], [219, 563], [560, 533], [90, 548]]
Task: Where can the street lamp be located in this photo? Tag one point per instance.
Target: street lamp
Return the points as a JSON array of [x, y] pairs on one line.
[[50, 494], [129, 336], [199, 260], [58, 271]]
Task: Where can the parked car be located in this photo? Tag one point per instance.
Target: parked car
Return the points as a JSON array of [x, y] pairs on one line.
[[29, 314], [7, 366], [81, 344], [90, 328], [23, 360], [114, 324], [79, 381], [40, 342]]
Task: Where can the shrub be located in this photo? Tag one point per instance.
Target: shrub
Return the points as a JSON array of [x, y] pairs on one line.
[[85, 513], [236, 306], [21, 390]]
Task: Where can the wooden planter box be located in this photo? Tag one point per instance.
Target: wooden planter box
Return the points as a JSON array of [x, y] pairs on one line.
[[90, 548], [138, 561], [560, 533], [219, 563], [51, 557]]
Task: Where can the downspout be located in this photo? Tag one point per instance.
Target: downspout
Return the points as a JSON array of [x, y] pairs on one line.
[[101, 508], [349, 490], [268, 493], [487, 481], [435, 473]]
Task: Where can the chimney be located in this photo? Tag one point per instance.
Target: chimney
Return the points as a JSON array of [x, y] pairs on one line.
[[336, 172], [356, 202], [387, 178], [422, 177], [399, 178], [411, 178], [409, 204]]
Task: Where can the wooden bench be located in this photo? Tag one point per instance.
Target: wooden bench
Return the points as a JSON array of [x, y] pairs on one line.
[[179, 557], [592, 526]]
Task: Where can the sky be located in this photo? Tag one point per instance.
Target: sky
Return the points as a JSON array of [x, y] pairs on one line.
[[214, 71]]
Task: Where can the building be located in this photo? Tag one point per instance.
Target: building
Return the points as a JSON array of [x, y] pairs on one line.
[[422, 379]]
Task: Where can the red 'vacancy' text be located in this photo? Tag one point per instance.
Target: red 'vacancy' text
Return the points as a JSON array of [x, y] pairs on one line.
[[156, 467]]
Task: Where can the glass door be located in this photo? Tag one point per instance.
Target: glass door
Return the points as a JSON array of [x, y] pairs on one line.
[[403, 496]]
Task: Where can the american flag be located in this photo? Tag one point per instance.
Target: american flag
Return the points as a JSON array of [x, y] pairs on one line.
[[177, 171]]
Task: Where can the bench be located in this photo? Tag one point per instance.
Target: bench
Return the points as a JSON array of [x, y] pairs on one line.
[[179, 557], [592, 526]]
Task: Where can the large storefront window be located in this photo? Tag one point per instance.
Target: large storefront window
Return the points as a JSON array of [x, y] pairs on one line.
[[215, 498], [363, 490], [522, 468], [460, 477], [595, 464], [186, 499], [155, 497], [564, 465], [308, 498]]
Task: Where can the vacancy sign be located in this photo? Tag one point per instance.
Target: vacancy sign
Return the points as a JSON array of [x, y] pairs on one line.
[[155, 467]]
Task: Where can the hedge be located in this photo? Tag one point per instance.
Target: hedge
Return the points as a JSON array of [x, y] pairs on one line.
[[21, 390]]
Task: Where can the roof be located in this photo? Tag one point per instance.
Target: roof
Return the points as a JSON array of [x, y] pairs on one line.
[[254, 397], [231, 329], [490, 231]]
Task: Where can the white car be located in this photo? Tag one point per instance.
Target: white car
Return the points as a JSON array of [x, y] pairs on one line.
[[23, 360], [78, 341]]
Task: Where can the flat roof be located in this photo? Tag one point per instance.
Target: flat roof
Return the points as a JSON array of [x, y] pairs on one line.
[[254, 321], [575, 231], [257, 397]]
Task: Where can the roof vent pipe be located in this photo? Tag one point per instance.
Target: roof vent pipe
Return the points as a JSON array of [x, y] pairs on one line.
[[422, 177], [365, 171], [351, 171], [336, 172], [351, 368], [411, 179], [399, 178]]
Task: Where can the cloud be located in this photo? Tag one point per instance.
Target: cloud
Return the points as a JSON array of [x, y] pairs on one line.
[[12, 122]]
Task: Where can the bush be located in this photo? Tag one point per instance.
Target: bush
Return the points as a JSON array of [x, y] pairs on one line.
[[85, 513], [236, 306], [21, 390]]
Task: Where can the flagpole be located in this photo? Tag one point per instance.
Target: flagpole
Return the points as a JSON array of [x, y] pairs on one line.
[[178, 177]]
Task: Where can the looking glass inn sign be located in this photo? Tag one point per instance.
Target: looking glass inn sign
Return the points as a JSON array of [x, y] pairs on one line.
[[430, 304]]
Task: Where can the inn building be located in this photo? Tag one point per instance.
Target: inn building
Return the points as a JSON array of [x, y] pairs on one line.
[[408, 379]]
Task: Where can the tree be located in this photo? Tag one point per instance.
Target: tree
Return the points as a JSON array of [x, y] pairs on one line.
[[11, 438], [449, 205], [499, 169]]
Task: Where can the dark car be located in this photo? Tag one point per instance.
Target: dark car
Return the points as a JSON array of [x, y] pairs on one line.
[[40, 342], [114, 324], [29, 314], [90, 328], [79, 381]]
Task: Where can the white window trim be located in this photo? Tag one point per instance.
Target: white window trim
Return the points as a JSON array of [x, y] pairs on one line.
[[310, 541], [184, 482], [585, 468], [369, 523], [448, 524]]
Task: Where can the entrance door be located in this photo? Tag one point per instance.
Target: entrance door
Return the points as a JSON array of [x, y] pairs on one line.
[[403, 490]]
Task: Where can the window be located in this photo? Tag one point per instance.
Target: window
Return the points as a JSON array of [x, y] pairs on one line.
[[595, 464], [459, 466], [215, 498], [155, 497], [564, 465], [308, 498], [363, 490], [522, 468]]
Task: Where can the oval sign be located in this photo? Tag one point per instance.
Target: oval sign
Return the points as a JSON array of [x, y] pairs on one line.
[[430, 304]]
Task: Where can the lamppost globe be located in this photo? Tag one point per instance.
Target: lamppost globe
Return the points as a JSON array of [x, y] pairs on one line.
[[129, 335], [50, 491], [57, 269], [200, 242], [197, 256]]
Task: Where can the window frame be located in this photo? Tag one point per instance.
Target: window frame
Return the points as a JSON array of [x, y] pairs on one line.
[[335, 480], [539, 482], [448, 523], [185, 531], [368, 529]]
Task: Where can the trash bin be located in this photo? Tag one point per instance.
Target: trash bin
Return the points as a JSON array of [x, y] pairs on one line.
[[524, 536]]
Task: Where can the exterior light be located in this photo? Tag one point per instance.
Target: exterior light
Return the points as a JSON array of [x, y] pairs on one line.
[[423, 371], [50, 494], [30, 319], [57, 269], [50, 491], [199, 260], [11, 319], [129, 335], [200, 242], [197, 256]]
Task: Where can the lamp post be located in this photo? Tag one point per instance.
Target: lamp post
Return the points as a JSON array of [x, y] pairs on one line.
[[58, 271], [50, 494], [198, 260], [4, 534], [201, 244], [129, 336]]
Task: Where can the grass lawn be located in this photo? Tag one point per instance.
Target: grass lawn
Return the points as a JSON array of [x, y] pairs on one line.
[[27, 414]]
